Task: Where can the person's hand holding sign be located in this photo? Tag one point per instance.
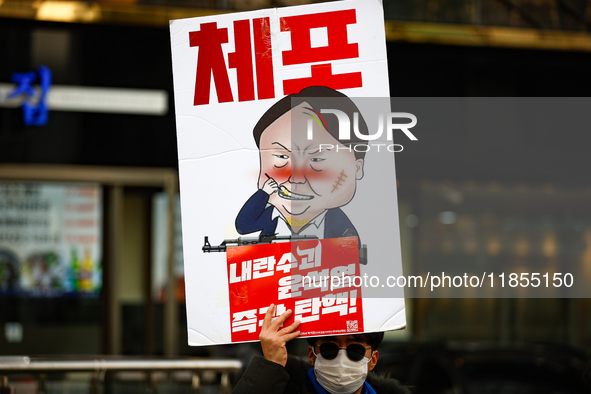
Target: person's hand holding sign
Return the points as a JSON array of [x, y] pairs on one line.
[[273, 339]]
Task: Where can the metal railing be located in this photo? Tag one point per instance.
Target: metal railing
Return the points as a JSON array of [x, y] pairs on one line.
[[12, 369]]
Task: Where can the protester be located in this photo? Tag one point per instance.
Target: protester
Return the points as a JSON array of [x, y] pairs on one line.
[[336, 364]]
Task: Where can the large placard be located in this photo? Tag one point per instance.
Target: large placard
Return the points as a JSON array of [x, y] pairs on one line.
[[252, 174]]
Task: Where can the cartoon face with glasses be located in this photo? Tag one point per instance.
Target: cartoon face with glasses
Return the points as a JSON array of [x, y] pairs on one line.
[[301, 187]]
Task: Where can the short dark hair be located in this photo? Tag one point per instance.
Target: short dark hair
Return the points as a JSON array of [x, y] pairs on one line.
[[373, 339], [318, 97]]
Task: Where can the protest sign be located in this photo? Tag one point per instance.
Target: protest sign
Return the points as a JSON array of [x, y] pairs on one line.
[[300, 285], [266, 171]]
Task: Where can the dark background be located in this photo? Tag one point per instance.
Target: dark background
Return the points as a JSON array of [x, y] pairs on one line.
[[139, 57]]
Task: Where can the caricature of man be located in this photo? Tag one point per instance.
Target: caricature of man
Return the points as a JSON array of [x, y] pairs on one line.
[[303, 182]]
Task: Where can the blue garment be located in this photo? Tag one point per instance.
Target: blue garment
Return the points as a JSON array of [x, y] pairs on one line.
[[367, 389]]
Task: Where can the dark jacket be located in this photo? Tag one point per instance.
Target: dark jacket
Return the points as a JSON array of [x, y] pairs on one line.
[[255, 215], [266, 377]]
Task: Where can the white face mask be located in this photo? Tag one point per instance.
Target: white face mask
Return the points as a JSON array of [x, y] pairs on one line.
[[340, 375]]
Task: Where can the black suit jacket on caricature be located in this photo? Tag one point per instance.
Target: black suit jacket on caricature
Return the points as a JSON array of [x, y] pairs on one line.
[[255, 215]]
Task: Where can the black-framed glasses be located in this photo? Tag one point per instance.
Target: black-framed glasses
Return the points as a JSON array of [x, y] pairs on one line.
[[330, 350]]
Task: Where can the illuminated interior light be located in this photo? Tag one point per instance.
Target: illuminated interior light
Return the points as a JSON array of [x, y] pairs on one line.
[[493, 246], [68, 11], [521, 245], [550, 245]]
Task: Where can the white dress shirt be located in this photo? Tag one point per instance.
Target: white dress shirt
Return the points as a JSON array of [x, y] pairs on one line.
[[314, 228]]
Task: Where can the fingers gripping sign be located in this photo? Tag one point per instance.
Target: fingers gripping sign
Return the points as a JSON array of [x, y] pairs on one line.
[[273, 339]]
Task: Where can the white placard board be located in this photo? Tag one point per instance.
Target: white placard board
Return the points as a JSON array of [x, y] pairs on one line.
[[229, 70]]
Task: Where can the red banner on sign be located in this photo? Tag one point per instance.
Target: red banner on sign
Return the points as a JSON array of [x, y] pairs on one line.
[[315, 279]]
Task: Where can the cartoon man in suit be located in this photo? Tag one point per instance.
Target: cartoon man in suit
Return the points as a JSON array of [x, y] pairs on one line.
[[305, 178]]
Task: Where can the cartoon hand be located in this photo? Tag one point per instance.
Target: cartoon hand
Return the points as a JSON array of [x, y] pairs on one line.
[[273, 339], [270, 186]]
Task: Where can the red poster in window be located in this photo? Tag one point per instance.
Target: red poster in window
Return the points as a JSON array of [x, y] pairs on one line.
[[314, 278]]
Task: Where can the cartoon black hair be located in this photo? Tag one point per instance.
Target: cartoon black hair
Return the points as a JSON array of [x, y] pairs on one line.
[[318, 97]]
